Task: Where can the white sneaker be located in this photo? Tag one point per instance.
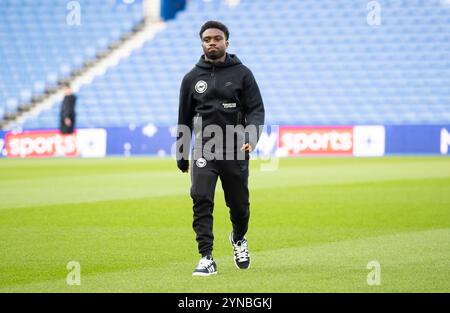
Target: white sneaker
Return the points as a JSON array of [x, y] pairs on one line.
[[241, 255], [206, 267]]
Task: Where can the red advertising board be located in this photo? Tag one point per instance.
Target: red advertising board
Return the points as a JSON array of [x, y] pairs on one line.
[[315, 140], [42, 143]]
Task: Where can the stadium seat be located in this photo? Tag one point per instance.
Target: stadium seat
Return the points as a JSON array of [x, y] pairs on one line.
[[38, 46], [317, 62]]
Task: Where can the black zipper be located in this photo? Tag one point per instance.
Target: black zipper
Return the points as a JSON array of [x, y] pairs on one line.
[[213, 76]]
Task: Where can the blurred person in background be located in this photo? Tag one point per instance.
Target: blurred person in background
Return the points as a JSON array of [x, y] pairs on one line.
[[67, 114]]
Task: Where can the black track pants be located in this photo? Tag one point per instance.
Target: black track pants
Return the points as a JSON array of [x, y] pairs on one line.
[[234, 177]]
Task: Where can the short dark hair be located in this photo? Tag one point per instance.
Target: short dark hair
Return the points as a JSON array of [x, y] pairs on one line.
[[215, 24]]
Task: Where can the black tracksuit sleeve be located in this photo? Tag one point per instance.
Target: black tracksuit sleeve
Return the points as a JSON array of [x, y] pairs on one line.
[[254, 108], [185, 116]]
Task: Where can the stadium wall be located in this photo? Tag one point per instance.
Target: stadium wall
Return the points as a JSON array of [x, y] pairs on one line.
[[282, 141]]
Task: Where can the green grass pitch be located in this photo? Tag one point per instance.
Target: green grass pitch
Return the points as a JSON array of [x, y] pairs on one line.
[[315, 225]]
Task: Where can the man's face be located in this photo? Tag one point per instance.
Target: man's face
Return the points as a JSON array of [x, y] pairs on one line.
[[67, 91], [214, 43]]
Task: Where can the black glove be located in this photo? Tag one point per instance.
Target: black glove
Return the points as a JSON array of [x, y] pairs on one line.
[[183, 165]]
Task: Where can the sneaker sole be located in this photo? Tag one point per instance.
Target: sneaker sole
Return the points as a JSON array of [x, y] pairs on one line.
[[204, 274], [241, 268], [235, 263]]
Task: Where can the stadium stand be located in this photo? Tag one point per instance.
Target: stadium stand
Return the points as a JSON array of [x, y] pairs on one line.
[[317, 63], [40, 43]]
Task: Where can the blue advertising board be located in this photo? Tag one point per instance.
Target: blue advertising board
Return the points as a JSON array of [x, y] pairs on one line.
[[365, 140], [417, 139]]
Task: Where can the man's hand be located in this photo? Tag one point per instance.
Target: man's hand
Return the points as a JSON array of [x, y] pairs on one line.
[[247, 147], [183, 165], [67, 122]]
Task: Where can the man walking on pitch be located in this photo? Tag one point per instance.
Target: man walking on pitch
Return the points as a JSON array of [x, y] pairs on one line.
[[218, 95]]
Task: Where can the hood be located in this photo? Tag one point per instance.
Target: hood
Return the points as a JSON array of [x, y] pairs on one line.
[[230, 60]]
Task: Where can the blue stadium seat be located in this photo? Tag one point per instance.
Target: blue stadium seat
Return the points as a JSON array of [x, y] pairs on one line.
[[37, 44], [317, 62]]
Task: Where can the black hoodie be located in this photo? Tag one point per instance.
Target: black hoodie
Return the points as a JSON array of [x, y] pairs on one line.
[[222, 93]]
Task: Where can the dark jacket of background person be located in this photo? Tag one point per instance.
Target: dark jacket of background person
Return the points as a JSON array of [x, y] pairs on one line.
[[68, 111]]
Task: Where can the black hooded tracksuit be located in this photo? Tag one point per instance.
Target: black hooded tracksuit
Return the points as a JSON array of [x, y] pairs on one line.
[[222, 93]]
